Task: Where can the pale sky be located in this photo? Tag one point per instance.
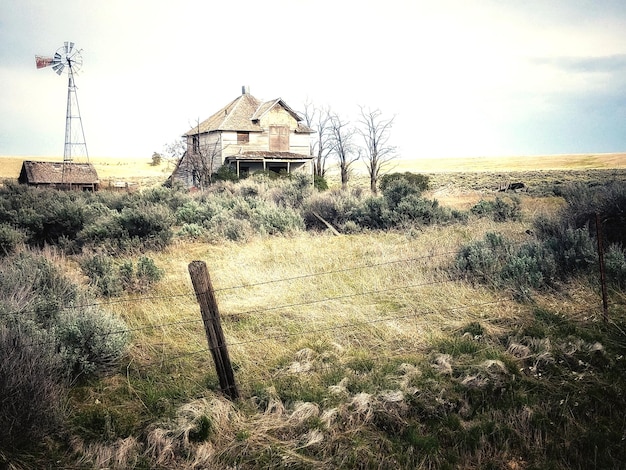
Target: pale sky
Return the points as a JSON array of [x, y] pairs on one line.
[[461, 77]]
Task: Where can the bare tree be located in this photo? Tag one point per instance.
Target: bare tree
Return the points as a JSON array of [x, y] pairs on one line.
[[375, 130], [203, 158], [341, 138], [318, 119]]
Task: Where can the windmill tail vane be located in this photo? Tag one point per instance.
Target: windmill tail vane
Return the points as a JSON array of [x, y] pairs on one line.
[[42, 61]]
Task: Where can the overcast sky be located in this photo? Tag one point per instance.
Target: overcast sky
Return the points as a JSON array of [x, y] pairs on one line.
[[461, 77]]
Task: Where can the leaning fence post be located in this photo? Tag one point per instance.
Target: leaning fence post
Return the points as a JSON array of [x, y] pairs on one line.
[[213, 327], [605, 303]]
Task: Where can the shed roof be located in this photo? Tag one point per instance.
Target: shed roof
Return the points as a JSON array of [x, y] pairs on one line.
[[243, 114], [54, 173]]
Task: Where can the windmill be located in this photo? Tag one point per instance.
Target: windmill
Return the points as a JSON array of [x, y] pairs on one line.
[[67, 59]]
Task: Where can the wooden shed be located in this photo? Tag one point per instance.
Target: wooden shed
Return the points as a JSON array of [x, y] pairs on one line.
[[60, 175]]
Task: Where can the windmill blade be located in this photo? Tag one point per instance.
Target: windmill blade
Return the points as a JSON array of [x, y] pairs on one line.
[[43, 61], [58, 68], [68, 46]]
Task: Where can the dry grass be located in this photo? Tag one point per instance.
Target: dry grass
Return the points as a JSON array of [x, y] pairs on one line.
[[514, 163], [140, 171], [332, 339], [329, 337]]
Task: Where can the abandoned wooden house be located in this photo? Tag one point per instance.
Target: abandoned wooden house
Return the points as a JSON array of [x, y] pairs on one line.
[[247, 135], [60, 175]]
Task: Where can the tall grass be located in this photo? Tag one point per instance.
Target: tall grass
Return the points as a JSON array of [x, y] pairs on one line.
[[364, 353], [356, 351]]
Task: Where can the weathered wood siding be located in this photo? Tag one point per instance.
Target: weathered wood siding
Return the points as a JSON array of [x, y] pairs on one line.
[[300, 143]]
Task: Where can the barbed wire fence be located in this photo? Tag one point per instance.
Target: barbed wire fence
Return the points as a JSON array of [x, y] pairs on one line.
[[211, 319]]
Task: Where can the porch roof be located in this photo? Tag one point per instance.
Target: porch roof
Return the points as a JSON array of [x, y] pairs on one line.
[[260, 156]]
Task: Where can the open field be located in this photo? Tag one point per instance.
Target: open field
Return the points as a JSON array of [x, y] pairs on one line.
[[515, 163], [362, 350], [140, 171]]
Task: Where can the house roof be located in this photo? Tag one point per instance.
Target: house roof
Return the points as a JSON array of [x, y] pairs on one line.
[[53, 173], [243, 114]]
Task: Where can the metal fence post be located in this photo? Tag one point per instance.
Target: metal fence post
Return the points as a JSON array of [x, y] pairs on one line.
[[605, 303]]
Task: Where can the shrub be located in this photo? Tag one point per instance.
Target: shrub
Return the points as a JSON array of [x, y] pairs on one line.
[[416, 209], [484, 258], [225, 226], [293, 192], [192, 230], [102, 274], [111, 280], [272, 220], [320, 183], [482, 208], [584, 202], [420, 182], [503, 211], [574, 250], [148, 273], [372, 213], [169, 197], [37, 285], [10, 239], [499, 209], [188, 213], [333, 206], [44, 344], [90, 341], [146, 226], [32, 395], [530, 266], [225, 173], [397, 189], [615, 265], [151, 224]]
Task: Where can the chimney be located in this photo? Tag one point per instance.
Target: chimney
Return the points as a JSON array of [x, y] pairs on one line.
[[245, 90]]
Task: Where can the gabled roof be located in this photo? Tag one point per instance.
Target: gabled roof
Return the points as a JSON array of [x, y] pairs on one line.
[[243, 114], [53, 173]]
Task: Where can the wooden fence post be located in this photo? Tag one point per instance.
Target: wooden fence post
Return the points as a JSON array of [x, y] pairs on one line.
[[213, 327]]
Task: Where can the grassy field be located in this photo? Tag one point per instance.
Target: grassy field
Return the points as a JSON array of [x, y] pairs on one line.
[[353, 352], [362, 351], [142, 172]]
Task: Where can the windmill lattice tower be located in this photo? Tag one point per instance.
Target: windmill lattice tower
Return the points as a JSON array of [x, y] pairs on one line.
[[68, 59]]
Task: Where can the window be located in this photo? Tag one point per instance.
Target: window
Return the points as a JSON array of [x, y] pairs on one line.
[[277, 168], [195, 143], [279, 138], [243, 137]]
